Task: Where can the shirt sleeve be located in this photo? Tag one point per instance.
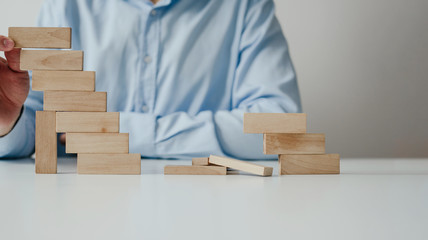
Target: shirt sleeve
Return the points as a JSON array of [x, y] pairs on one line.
[[20, 141], [265, 81]]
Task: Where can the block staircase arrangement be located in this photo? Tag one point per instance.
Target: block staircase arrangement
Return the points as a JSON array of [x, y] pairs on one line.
[[71, 106]]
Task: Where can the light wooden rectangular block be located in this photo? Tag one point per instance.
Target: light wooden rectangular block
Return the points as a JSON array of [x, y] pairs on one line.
[[309, 164], [70, 101], [41, 37], [109, 163], [87, 122], [46, 148], [293, 143], [51, 60], [97, 143], [241, 165], [195, 170], [203, 161], [274, 122], [63, 80]]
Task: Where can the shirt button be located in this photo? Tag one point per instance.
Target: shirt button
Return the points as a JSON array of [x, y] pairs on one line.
[[147, 59], [153, 12], [144, 108]]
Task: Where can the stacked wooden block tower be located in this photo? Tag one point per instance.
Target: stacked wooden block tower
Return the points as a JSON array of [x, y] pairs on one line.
[[71, 106], [298, 152]]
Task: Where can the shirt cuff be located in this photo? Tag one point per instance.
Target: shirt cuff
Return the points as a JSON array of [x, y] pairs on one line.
[[141, 128], [17, 143]]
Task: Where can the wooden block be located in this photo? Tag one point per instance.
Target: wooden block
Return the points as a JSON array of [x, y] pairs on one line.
[[195, 170], [109, 163], [41, 37], [97, 143], [87, 122], [309, 164], [46, 149], [241, 165], [274, 122], [293, 143], [51, 60], [63, 80], [71, 101], [200, 161]]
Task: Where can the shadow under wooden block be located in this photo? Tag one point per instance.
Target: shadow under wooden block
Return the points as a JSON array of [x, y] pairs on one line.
[[46, 142], [241, 165], [87, 122], [51, 60], [63, 81], [309, 164], [97, 143], [41, 37], [194, 170], [293, 143], [274, 122], [70, 101], [129, 163]]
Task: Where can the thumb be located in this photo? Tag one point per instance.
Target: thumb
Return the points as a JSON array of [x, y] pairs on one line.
[[6, 44], [13, 58]]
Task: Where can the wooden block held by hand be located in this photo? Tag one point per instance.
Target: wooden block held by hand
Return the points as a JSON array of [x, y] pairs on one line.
[[293, 143], [241, 165], [87, 122], [274, 122], [70, 101], [194, 170], [97, 143], [46, 148], [41, 37], [203, 161], [63, 80], [51, 60], [309, 164], [129, 163]]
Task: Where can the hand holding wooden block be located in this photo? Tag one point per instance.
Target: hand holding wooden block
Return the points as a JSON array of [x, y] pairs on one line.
[[241, 165], [41, 37]]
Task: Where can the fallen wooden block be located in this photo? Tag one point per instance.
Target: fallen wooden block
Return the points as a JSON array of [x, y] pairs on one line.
[[46, 140], [75, 101], [293, 143], [129, 163], [51, 60], [41, 37], [97, 143], [241, 165], [274, 122], [87, 122], [200, 161], [194, 170], [309, 164], [63, 80]]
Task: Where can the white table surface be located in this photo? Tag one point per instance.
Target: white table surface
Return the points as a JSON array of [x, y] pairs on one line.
[[371, 199]]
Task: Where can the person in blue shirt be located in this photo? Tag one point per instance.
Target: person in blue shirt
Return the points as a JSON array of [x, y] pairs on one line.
[[180, 72]]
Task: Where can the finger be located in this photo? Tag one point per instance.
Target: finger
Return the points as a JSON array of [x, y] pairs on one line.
[[6, 44], [62, 138], [13, 58]]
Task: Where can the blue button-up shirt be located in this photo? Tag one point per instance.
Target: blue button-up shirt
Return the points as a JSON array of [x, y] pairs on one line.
[[181, 72]]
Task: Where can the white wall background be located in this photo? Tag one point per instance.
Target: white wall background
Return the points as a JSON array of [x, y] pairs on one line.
[[362, 68]]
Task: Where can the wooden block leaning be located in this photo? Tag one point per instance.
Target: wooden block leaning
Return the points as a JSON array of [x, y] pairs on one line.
[[46, 143], [203, 161], [97, 143], [87, 122], [41, 37], [293, 143], [194, 170], [70, 101], [51, 60], [109, 163], [63, 80], [241, 165], [309, 164], [274, 122]]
